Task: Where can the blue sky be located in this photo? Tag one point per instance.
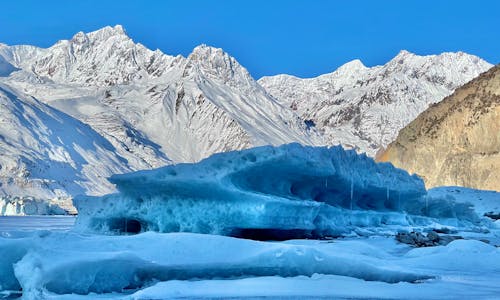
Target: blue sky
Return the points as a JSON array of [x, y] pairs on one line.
[[303, 38]]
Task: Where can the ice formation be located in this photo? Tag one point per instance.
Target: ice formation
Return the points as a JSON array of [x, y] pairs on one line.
[[23, 206], [268, 192]]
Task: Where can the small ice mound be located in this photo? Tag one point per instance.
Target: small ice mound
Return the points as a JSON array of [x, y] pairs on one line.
[[277, 193], [24, 206]]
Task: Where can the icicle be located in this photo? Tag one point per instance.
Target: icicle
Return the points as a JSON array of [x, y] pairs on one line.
[[387, 189], [427, 204], [326, 182], [352, 191], [399, 200]]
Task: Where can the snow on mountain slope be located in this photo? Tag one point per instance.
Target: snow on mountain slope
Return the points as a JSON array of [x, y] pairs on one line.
[[48, 154], [6, 68], [152, 107], [366, 107]]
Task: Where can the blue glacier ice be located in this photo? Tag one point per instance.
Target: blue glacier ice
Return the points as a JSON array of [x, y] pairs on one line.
[[290, 191]]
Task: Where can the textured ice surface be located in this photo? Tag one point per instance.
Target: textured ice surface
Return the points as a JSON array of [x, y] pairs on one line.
[[101, 264], [268, 193], [53, 265]]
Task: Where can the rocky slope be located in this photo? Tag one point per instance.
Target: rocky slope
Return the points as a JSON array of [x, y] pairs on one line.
[[456, 141], [366, 107]]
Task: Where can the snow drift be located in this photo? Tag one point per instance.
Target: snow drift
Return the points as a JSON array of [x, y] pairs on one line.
[[268, 192]]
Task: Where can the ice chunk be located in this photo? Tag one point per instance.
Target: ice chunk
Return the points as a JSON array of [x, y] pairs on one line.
[[16, 206], [263, 193]]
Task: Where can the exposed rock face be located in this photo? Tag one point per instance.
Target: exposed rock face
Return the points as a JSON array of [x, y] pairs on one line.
[[456, 141]]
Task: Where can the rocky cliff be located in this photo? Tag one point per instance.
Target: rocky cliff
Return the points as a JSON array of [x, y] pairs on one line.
[[456, 141]]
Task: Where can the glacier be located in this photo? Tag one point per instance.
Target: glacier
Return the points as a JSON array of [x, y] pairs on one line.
[[270, 193]]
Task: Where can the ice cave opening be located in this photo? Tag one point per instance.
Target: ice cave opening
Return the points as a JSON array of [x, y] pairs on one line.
[[126, 226]]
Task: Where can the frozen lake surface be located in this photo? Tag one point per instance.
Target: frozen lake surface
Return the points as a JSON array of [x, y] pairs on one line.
[[32, 223]]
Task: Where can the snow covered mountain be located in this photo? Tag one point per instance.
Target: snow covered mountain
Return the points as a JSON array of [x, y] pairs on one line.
[[152, 109], [366, 107]]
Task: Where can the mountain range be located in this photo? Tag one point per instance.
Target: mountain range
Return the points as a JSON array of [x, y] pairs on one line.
[[100, 103], [366, 107]]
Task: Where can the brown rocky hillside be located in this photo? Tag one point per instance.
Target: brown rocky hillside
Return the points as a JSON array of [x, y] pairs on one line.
[[456, 141]]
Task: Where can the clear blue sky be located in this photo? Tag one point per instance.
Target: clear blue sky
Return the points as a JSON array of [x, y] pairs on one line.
[[303, 38]]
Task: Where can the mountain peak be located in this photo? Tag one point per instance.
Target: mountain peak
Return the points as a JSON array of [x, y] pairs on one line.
[[108, 31], [351, 67], [105, 57], [405, 53], [212, 59], [204, 51], [119, 28], [403, 56]]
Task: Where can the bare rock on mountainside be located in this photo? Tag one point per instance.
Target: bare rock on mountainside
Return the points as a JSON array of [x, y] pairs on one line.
[[456, 141]]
